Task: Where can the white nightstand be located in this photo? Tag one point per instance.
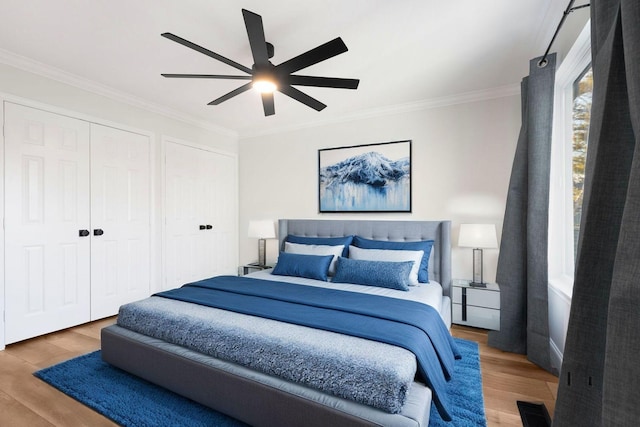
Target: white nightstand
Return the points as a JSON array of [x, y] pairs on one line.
[[475, 306]]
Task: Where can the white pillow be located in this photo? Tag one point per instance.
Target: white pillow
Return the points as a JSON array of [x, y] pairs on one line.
[[390, 255], [299, 248]]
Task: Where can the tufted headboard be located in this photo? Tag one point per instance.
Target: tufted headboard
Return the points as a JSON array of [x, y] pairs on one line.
[[438, 231]]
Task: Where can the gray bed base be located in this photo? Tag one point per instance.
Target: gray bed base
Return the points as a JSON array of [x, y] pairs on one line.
[[252, 397], [261, 400]]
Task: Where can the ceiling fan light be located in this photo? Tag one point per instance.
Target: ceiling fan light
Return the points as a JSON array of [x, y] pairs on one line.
[[265, 86]]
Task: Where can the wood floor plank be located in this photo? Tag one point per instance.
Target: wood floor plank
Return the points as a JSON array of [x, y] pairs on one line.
[[496, 418], [14, 413]]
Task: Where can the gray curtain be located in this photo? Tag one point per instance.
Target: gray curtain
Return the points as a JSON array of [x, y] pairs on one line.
[[522, 263], [600, 376]]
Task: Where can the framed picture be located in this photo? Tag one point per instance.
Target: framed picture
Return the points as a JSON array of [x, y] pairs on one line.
[[365, 178]]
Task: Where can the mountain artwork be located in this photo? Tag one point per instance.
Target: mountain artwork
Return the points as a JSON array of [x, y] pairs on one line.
[[369, 181]]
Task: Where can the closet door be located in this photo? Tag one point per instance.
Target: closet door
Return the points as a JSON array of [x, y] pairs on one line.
[[47, 283], [183, 220], [201, 210], [120, 219], [223, 239]]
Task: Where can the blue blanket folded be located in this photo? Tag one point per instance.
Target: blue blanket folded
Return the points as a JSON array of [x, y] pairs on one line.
[[414, 326]]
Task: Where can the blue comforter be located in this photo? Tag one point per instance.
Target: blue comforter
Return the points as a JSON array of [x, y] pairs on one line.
[[407, 324]]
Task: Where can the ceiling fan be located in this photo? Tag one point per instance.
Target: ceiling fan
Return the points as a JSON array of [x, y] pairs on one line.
[[267, 77]]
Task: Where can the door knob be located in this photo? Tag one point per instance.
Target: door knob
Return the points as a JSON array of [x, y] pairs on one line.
[[83, 233], [98, 232], [209, 226], [202, 227]]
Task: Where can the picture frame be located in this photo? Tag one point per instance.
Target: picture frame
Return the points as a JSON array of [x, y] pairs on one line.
[[365, 178]]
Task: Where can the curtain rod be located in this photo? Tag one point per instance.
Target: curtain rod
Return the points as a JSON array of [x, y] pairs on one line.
[[543, 62]]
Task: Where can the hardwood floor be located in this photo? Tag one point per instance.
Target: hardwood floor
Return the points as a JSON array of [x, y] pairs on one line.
[[27, 401], [507, 378]]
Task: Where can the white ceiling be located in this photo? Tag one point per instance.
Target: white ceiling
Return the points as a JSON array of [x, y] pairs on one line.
[[405, 52]]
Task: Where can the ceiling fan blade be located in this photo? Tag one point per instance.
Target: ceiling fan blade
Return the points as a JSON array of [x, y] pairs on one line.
[[294, 93], [255, 31], [267, 104], [333, 82], [231, 94], [205, 76], [313, 56], [207, 52]]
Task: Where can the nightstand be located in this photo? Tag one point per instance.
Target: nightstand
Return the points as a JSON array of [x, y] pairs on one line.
[[475, 306], [250, 268]]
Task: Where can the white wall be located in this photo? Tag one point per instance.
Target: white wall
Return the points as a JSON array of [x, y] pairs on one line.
[[14, 81], [461, 163]]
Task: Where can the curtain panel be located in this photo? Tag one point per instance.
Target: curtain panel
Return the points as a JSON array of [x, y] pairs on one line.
[[600, 376], [522, 263]]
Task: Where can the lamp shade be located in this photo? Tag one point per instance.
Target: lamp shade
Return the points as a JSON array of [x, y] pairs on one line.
[[262, 229], [478, 236]]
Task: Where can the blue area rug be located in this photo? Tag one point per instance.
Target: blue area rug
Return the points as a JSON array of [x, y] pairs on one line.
[[132, 401], [465, 391]]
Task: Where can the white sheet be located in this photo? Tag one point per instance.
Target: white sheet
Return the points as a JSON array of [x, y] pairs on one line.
[[426, 293]]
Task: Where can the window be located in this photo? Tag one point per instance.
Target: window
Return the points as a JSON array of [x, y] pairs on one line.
[[572, 111], [582, 94]]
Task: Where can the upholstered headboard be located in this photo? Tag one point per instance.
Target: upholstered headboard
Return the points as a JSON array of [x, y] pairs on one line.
[[438, 231]]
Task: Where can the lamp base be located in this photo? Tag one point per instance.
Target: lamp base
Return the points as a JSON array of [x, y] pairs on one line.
[[477, 281], [478, 284], [262, 252]]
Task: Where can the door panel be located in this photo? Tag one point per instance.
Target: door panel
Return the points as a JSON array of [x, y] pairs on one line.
[[200, 191], [47, 282], [182, 222], [120, 219], [223, 247]]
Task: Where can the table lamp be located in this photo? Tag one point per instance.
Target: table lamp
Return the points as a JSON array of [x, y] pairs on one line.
[[478, 236], [262, 230]]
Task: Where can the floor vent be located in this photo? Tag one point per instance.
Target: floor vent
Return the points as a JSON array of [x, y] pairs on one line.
[[534, 414]]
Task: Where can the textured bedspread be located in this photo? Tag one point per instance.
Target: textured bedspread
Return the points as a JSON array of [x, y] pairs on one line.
[[405, 324], [364, 371]]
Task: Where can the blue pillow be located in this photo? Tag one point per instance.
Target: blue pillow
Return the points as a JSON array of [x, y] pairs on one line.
[[330, 241], [385, 274], [309, 266], [422, 245]]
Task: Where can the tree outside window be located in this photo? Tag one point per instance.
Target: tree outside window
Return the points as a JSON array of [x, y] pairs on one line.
[[582, 95]]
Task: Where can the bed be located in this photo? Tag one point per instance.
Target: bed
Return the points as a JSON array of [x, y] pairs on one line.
[[165, 354]]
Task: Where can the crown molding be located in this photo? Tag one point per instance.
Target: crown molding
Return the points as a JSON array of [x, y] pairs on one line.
[[39, 68], [53, 73], [462, 98]]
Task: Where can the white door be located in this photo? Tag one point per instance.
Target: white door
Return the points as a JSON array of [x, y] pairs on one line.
[[120, 219], [223, 240], [182, 222], [47, 277], [201, 210]]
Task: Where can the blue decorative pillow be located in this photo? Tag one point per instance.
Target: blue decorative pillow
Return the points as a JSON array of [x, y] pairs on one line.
[[331, 241], [385, 274], [309, 266], [422, 245]]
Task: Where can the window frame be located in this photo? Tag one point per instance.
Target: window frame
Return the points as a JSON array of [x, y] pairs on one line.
[[561, 258]]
